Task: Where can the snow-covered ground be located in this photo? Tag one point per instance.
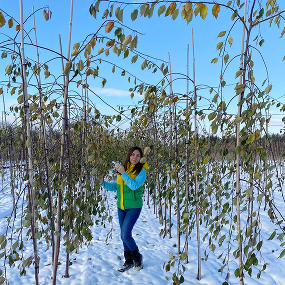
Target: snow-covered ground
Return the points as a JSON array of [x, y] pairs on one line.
[[97, 263]]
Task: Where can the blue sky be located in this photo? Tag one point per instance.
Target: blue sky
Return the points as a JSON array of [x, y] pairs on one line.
[[160, 36]]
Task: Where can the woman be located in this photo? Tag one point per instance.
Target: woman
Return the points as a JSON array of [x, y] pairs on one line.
[[129, 186]]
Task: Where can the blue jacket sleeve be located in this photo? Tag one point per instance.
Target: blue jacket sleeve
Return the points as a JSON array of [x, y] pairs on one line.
[[134, 184], [110, 186]]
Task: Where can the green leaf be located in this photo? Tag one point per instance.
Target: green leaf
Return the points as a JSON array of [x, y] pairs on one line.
[[214, 127], [126, 53], [119, 14], [134, 58], [80, 65], [187, 12], [268, 88], [238, 73], [212, 116], [13, 91], [272, 236], [134, 15], [20, 99], [46, 73], [214, 60], [226, 58], [2, 280], [2, 238], [282, 253], [67, 67], [250, 139], [28, 261], [239, 88], [10, 23], [259, 245], [206, 159], [237, 272], [183, 256], [8, 69], [283, 32], [143, 9], [161, 10]]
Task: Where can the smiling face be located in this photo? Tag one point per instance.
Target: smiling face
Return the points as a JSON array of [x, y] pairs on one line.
[[135, 157]]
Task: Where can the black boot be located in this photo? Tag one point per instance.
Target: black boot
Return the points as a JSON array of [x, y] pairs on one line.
[[128, 261], [138, 259]]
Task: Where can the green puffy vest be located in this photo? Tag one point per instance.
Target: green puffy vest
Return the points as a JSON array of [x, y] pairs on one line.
[[131, 198]]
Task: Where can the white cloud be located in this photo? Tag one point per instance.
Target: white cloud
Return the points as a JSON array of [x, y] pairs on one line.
[[112, 92]]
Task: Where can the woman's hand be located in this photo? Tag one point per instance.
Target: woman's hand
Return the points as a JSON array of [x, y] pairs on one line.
[[120, 168]]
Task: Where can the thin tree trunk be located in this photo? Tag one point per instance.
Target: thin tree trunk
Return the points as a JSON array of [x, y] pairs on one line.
[[170, 164], [196, 168], [28, 145], [45, 149], [175, 161], [64, 139], [187, 155], [238, 196]]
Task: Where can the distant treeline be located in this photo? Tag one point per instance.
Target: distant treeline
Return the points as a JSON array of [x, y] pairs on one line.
[[11, 143]]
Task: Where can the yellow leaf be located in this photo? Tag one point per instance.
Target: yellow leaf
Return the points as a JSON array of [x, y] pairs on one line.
[[172, 8], [188, 7], [110, 43], [78, 82], [197, 9], [109, 27], [92, 42], [2, 20], [127, 40], [146, 150], [231, 40], [143, 160], [175, 99], [216, 10], [257, 175], [46, 15], [87, 51], [89, 72], [203, 11]]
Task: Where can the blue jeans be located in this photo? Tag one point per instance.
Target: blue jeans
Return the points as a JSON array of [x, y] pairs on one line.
[[127, 220]]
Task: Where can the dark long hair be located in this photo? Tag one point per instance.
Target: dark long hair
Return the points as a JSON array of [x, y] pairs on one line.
[[138, 167]]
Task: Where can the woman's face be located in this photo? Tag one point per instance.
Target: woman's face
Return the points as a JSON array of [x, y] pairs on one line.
[[135, 157]]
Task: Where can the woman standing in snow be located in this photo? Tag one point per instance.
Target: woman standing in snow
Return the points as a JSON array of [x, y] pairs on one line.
[[129, 186]]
